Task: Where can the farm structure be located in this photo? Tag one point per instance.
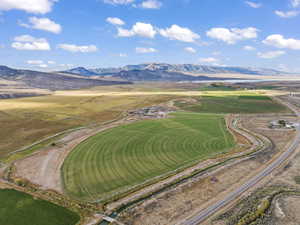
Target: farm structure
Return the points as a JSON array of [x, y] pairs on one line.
[[151, 112]]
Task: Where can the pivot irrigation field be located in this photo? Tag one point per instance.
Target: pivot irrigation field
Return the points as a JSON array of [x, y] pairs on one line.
[[18, 208], [121, 157]]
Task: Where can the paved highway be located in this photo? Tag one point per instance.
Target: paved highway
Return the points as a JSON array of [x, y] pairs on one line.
[[201, 216]]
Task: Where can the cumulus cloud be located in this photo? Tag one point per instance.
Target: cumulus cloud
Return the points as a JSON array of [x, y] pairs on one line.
[[51, 62], [43, 24], [249, 48], [288, 14], [295, 3], [123, 55], [139, 29], [78, 48], [178, 33], [151, 4], [31, 6], [270, 55], [231, 36], [27, 42], [208, 60], [145, 50], [279, 41], [34, 62], [115, 21], [190, 50], [119, 2], [253, 4]]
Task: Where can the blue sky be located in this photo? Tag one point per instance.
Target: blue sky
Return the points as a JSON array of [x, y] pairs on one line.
[[57, 34]]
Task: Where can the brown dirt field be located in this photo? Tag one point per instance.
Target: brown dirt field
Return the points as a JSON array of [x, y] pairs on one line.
[[287, 211]]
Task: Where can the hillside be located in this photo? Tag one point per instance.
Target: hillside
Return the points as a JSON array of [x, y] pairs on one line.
[[51, 81]]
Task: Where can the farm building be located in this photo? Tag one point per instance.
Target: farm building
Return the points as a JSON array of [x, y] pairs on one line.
[[283, 124]]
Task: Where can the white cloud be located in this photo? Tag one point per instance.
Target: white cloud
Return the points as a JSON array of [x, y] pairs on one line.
[[123, 55], [139, 29], [125, 33], [43, 65], [119, 2], [208, 60], [249, 48], [151, 4], [115, 21], [190, 50], [178, 33], [78, 48], [231, 36], [253, 4], [270, 55], [31, 6], [145, 50], [295, 3], [40, 63], [34, 62], [43, 24], [279, 41], [27, 42], [288, 14]]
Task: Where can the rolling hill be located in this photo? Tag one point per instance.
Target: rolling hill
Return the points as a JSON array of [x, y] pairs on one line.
[[51, 81]]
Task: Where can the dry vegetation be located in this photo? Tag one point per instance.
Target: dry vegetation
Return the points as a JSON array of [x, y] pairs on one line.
[[30, 119]]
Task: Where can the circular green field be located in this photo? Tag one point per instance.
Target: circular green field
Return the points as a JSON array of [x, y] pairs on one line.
[[121, 157]]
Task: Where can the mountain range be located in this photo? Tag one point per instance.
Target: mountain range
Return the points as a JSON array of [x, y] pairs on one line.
[[170, 72]]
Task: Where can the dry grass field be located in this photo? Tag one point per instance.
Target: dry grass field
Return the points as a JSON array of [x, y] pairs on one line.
[[27, 120]]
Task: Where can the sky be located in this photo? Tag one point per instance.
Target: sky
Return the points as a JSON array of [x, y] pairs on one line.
[[61, 34]]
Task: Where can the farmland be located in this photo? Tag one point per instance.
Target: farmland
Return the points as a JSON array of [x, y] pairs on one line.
[[128, 155], [233, 102], [22, 209], [31, 119]]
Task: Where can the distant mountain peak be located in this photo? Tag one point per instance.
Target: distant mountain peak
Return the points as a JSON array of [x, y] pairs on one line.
[[81, 71]]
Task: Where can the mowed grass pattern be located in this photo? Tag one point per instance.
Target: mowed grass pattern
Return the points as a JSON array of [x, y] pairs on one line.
[[131, 154], [18, 208]]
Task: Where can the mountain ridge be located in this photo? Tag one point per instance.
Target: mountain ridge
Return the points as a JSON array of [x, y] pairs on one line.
[[51, 81], [180, 68]]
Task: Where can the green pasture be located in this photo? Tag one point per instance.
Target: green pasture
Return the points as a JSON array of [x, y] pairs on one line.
[[128, 155], [18, 208], [233, 102]]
